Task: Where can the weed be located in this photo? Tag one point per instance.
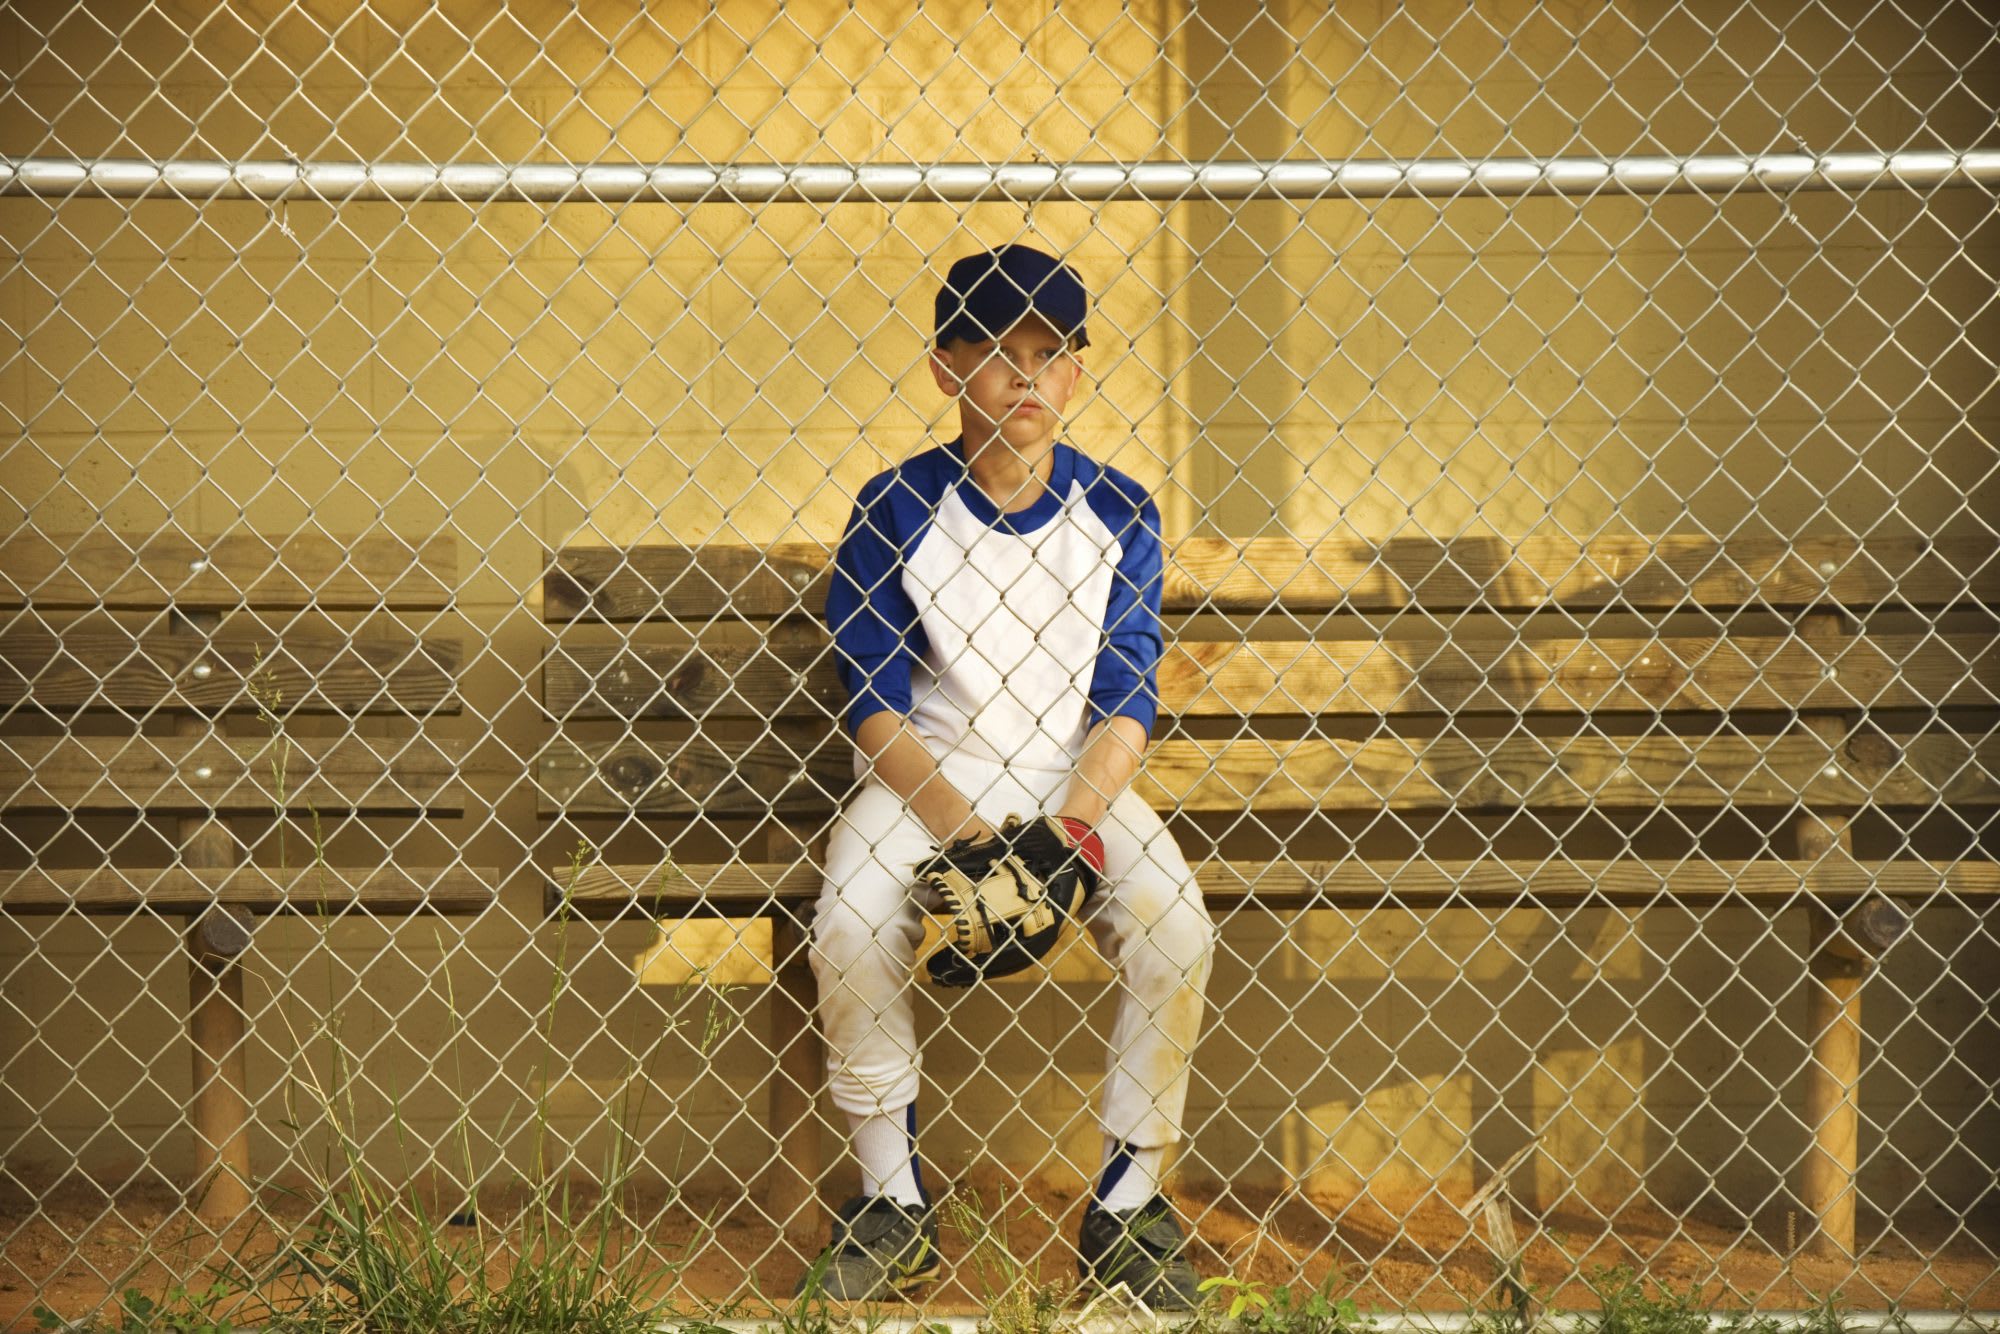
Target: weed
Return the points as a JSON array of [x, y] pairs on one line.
[[1028, 1309], [1827, 1315], [811, 1313], [1016, 1302], [1626, 1307], [1251, 1306], [176, 1311], [1241, 1295], [1317, 1312]]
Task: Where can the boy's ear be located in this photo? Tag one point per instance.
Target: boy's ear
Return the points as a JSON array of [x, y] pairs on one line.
[[1074, 355], [945, 373]]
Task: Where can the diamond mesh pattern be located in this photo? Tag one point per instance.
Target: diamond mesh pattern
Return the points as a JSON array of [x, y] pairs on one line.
[[426, 431]]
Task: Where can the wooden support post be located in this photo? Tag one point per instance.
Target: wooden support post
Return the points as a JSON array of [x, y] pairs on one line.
[[219, 1113], [791, 1183], [1827, 1184]]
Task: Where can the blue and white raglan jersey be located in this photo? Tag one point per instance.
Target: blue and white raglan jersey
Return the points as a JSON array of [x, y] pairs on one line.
[[1005, 636]]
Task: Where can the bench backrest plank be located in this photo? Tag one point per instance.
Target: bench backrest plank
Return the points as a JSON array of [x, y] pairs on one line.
[[184, 775], [728, 674], [1674, 572], [100, 665], [805, 777], [102, 569]]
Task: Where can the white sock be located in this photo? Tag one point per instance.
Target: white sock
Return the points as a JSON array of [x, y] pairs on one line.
[[1130, 1175], [886, 1144]]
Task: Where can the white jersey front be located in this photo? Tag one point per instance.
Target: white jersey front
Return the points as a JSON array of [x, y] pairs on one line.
[[1003, 636]]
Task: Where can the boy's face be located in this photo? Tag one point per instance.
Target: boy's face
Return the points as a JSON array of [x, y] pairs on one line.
[[1015, 387]]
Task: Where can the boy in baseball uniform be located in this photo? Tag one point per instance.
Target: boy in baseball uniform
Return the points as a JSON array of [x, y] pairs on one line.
[[995, 612]]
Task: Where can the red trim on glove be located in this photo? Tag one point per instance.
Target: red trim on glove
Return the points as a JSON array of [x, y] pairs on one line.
[[1085, 840]]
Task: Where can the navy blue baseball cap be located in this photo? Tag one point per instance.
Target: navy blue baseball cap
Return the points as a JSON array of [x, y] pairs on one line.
[[985, 295]]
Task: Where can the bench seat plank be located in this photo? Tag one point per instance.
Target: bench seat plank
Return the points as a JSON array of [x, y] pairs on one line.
[[180, 890], [1641, 573], [702, 775], [104, 666], [670, 890], [790, 673], [102, 569], [193, 775]]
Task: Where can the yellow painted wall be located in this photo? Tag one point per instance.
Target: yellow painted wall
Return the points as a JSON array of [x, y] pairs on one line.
[[525, 377]]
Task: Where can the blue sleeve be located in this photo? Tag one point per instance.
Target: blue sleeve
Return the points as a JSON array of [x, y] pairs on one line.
[[876, 638], [1127, 679]]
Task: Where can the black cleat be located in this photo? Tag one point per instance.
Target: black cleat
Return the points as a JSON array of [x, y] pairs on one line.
[[1144, 1249], [880, 1249]]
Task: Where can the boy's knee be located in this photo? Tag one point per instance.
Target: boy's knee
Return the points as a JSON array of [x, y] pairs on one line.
[[1190, 932], [1175, 935], [839, 931], [843, 934]]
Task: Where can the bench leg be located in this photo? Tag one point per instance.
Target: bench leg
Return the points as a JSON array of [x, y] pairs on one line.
[[220, 1113], [791, 1184], [1828, 1184]]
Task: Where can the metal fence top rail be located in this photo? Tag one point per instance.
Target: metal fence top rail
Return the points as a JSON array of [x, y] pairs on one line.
[[556, 183]]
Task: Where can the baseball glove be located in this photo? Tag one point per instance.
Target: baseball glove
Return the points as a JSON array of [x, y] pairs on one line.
[[1009, 895]]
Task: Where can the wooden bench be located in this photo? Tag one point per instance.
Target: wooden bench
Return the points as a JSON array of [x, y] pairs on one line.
[[234, 643], [1586, 686]]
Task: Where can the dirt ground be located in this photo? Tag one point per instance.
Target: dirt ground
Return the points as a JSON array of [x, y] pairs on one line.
[[71, 1249]]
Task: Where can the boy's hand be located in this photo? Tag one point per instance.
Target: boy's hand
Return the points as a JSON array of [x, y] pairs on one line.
[[946, 813], [1009, 896], [971, 829]]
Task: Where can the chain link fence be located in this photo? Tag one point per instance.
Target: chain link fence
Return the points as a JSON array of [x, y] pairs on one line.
[[428, 431]]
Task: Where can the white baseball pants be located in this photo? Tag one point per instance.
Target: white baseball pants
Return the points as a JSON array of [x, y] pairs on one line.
[[1147, 920]]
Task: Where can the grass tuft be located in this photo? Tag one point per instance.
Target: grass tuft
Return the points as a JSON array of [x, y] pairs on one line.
[[1247, 1305], [1626, 1305], [1005, 1285]]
